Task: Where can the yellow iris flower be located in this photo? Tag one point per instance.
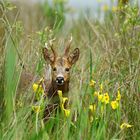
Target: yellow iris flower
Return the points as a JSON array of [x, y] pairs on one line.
[[37, 88], [96, 93], [114, 9], [105, 8], [36, 109], [125, 125], [92, 108], [63, 100], [92, 83], [100, 98], [118, 98], [101, 87], [104, 98], [114, 104]]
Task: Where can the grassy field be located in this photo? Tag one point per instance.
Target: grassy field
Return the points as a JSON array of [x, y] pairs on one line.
[[105, 81]]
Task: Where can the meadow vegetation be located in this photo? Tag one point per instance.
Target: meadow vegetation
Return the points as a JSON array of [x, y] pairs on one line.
[[105, 81]]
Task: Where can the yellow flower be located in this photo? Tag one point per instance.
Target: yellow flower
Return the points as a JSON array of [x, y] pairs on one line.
[[36, 109], [96, 94], [35, 87], [67, 112], [118, 96], [92, 108], [63, 100], [114, 9], [92, 83], [60, 95], [101, 87], [100, 98], [106, 98], [114, 104], [38, 88], [125, 125], [105, 7]]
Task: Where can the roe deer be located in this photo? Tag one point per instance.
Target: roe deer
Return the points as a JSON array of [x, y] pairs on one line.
[[61, 66], [60, 76]]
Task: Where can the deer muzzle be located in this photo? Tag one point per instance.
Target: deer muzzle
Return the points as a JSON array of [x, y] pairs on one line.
[[60, 80]]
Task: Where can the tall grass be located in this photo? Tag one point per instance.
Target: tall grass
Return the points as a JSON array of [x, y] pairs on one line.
[[109, 55]]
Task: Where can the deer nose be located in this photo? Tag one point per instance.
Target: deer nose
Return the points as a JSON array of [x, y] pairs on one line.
[[60, 80]]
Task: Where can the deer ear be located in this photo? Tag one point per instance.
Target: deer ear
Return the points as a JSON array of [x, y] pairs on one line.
[[73, 57], [48, 56]]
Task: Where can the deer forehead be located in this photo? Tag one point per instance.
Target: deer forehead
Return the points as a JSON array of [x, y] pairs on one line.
[[61, 62]]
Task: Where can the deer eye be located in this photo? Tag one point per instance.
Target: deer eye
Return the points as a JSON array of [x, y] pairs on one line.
[[67, 69], [54, 69]]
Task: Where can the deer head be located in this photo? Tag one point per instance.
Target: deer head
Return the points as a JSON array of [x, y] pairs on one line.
[[61, 65]]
